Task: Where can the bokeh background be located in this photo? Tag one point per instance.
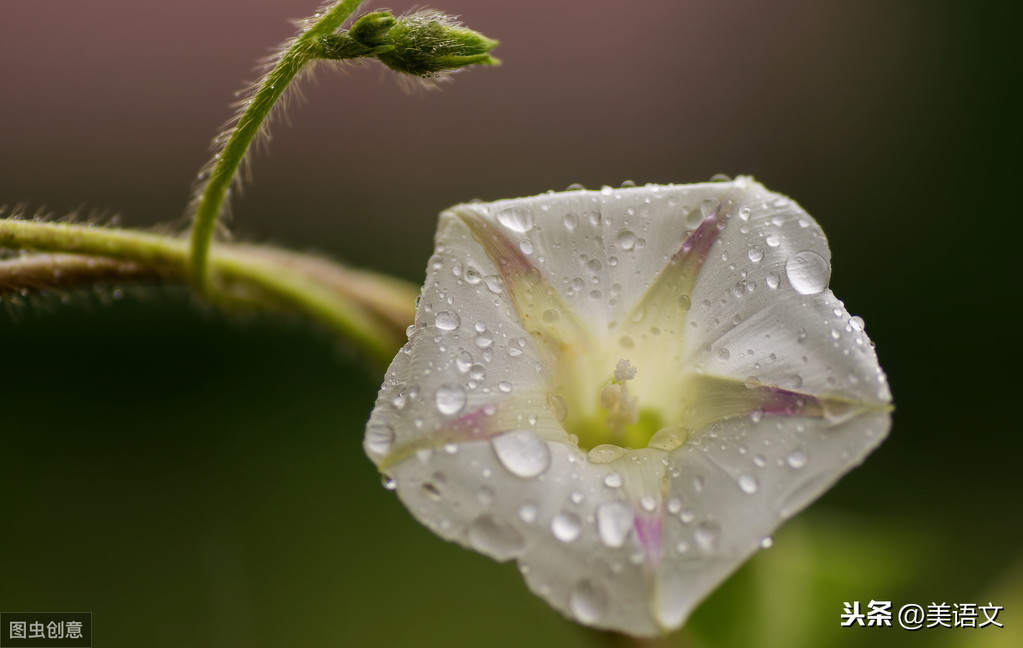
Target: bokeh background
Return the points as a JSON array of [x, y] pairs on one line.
[[197, 480]]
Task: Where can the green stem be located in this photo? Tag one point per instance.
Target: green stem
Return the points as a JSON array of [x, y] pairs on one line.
[[302, 49], [369, 309]]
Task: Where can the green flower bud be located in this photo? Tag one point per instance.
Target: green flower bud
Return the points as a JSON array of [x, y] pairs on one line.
[[366, 38], [428, 44]]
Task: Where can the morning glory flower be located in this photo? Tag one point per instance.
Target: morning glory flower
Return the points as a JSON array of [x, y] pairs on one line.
[[626, 390]]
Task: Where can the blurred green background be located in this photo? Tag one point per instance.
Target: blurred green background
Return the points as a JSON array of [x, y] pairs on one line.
[[198, 480]]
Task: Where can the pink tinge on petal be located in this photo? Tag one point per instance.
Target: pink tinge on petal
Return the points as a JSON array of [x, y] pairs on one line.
[[648, 532], [776, 400], [513, 265], [698, 243]]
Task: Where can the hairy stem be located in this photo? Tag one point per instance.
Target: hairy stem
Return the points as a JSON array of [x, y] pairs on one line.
[[369, 309], [301, 50]]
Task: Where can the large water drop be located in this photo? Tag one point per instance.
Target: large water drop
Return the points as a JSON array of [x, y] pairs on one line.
[[450, 399], [517, 219], [808, 272], [494, 537], [523, 453], [588, 601], [614, 522]]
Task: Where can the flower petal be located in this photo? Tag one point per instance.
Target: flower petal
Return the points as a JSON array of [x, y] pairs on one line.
[[686, 331]]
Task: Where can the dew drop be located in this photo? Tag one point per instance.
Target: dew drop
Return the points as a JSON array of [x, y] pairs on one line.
[[808, 272], [588, 602], [748, 484], [517, 219], [494, 284], [493, 537], [685, 303], [669, 438], [605, 453], [523, 453], [613, 480], [626, 240], [797, 459], [447, 320], [504, 387], [755, 253], [772, 280], [773, 239], [706, 535], [450, 399], [432, 490], [379, 438], [614, 522], [766, 542], [558, 407], [528, 512], [566, 527], [389, 483], [708, 207]]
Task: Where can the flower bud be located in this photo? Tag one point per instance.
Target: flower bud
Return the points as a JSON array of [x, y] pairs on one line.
[[428, 44]]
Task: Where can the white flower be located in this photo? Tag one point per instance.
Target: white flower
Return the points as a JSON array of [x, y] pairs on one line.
[[626, 390]]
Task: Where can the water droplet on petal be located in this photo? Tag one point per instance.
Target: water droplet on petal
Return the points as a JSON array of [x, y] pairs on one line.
[[523, 453], [613, 480], [447, 320], [517, 219], [566, 526], [605, 453], [755, 253], [450, 399], [494, 537], [626, 240], [558, 407], [766, 542], [389, 483], [808, 272], [773, 239], [797, 459], [706, 535], [748, 484], [708, 207], [614, 522], [379, 438], [528, 512], [588, 602], [669, 438]]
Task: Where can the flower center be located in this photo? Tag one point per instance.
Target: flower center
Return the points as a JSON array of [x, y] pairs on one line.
[[624, 407]]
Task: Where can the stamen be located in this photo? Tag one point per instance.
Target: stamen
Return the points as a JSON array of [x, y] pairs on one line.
[[622, 409]]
